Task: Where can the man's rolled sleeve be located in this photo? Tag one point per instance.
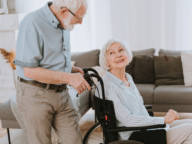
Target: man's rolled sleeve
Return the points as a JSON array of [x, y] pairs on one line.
[[28, 49]]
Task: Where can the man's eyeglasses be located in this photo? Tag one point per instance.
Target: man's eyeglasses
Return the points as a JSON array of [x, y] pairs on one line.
[[78, 19]]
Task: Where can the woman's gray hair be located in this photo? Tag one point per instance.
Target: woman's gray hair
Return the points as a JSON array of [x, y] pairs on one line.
[[72, 5], [103, 54]]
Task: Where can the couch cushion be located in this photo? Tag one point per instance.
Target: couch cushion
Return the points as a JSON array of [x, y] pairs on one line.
[[163, 52], [168, 73], [173, 94], [13, 124], [129, 68], [143, 70], [186, 59], [149, 52], [6, 112], [146, 91], [182, 108], [86, 59], [84, 100]]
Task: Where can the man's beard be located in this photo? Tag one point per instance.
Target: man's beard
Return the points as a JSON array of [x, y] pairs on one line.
[[67, 24]]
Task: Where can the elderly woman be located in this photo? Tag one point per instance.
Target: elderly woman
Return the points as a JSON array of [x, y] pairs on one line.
[[128, 103]]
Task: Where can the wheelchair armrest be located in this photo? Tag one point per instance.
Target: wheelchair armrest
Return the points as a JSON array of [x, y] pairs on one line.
[[121, 129], [148, 106]]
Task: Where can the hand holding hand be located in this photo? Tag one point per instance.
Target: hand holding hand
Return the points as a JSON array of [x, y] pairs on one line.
[[171, 116]]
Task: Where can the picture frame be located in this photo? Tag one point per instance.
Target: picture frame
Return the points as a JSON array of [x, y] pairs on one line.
[[15, 6], [3, 7]]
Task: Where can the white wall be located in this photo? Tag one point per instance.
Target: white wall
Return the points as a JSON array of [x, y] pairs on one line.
[[8, 25], [95, 29], [153, 23], [25, 6], [141, 23]]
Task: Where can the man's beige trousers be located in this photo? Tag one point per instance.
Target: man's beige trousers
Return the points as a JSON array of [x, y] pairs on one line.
[[43, 109], [180, 132]]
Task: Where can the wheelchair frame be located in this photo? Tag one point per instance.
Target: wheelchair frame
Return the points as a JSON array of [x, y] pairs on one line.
[[105, 114]]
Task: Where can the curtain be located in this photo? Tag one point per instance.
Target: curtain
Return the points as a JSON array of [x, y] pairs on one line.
[[142, 24]]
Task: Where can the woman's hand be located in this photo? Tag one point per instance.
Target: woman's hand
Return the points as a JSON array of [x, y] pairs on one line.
[[76, 70], [171, 116]]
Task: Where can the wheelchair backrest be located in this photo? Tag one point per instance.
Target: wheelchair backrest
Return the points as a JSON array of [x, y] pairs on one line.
[[106, 118]]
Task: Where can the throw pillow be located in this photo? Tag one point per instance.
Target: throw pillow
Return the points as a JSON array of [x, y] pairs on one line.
[[129, 68], [168, 71], [86, 59], [100, 71], [163, 52], [186, 59], [144, 70], [149, 52]]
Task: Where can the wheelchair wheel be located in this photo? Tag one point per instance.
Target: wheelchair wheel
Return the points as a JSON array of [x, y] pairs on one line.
[[94, 135]]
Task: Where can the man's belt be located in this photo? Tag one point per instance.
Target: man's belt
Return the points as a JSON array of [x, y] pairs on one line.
[[56, 88]]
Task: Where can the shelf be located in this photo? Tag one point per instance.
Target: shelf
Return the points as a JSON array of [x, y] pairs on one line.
[[9, 22]]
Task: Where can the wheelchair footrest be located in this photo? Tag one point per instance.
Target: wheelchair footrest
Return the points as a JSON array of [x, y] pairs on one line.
[[126, 142]]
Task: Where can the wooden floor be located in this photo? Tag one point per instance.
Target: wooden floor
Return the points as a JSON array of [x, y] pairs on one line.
[[88, 120]]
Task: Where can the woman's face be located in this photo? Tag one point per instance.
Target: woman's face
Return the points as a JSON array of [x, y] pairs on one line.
[[117, 57]]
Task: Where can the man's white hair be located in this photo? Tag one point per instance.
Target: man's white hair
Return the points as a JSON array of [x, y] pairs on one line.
[[72, 5], [103, 54]]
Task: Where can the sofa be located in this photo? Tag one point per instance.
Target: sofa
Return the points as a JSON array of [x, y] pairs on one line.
[[161, 97]]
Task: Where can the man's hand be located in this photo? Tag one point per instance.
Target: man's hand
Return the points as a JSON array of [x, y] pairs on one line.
[[171, 116], [76, 70], [77, 81]]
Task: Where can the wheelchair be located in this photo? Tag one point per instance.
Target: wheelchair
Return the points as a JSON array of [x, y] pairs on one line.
[[105, 131]]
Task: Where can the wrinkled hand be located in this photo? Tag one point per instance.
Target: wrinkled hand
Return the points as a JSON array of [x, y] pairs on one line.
[[76, 70], [171, 116], [77, 81]]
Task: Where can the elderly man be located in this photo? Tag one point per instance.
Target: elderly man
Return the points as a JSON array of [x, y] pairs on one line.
[[44, 69]]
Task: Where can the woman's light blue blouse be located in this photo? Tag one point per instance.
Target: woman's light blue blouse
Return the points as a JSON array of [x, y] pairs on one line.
[[128, 104]]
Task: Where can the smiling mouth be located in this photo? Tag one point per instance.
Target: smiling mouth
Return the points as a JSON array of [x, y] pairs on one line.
[[119, 61]]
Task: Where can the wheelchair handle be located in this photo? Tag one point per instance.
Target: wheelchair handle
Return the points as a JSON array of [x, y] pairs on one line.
[[88, 76], [102, 85], [90, 69], [102, 88]]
